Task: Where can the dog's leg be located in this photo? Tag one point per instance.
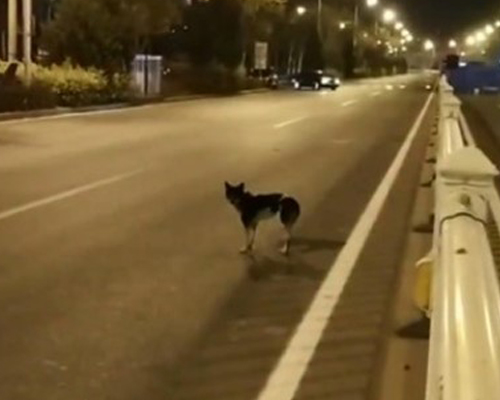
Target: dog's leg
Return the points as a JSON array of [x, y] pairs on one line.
[[288, 237], [289, 214], [250, 238]]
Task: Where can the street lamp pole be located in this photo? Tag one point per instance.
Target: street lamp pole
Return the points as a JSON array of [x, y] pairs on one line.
[[319, 22], [12, 36], [27, 15], [355, 25]]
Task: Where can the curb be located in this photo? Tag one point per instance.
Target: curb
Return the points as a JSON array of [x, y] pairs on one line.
[[20, 115]]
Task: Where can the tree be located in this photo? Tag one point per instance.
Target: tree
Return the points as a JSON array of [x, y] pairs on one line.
[[228, 32], [106, 33]]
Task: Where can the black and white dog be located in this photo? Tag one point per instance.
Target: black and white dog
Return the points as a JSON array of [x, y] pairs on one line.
[[255, 208]]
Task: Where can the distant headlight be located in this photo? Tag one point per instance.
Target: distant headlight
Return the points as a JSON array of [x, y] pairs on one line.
[[326, 80], [337, 81]]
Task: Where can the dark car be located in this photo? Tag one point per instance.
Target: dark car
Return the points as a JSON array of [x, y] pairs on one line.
[[315, 80]]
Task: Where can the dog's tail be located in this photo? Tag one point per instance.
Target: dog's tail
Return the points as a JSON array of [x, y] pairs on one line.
[[289, 212]]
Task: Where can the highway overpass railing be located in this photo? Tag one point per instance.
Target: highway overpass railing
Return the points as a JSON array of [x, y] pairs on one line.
[[464, 304]]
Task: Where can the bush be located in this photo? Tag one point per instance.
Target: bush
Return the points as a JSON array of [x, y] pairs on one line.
[[67, 86]]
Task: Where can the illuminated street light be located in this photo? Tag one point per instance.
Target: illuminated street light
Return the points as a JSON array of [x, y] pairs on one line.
[[405, 32], [452, 44], [428, 45], [399, 26], [301, 10], [463, 54], [342, 26], [470, 41], [389, 16], [409, 38], [480, 37], [371, 3], [489, 29], [497, 24]]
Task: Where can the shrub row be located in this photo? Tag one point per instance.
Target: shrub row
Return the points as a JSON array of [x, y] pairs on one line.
[[62, 85]]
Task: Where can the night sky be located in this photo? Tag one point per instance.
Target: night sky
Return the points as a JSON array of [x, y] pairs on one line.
[[446, 18]]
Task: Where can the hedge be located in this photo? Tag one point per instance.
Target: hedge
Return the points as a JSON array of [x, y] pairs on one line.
[[62, 85]]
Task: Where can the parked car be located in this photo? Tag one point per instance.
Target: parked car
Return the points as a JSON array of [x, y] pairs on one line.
[[315, 80]]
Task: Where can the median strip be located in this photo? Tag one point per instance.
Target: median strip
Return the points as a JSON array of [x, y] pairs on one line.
[[67, 194]]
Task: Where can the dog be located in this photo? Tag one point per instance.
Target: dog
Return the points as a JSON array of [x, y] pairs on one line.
[[255, 208]]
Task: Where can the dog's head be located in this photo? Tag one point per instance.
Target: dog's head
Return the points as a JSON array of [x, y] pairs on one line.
[[234, 194]]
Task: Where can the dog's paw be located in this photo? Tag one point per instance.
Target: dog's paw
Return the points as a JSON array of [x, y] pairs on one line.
[[245, 250], [285, 250]]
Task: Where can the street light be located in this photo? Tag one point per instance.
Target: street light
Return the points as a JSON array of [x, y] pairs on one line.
[[371, 3], [342, 26], [470, 40], [389, 16], [489, 29], [452, 44], [428, 45], [399, 26], [301, 10], [497, 24], [480, 37]]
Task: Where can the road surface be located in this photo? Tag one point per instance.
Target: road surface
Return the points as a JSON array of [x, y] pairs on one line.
[[119, 258]]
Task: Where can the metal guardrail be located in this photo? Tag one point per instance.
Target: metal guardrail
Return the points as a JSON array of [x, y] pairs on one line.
[[464, 355]]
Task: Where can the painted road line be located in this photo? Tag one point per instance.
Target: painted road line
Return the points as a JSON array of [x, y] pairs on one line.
[[285, 379], [289, 122], [67, 194], [349, 103], [341, 142]]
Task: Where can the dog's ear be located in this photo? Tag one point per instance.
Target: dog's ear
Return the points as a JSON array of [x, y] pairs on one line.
[[241, 187], [227, 185]]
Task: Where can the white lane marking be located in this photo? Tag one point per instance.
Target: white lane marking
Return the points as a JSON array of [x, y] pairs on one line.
[[67, 194], [341, 142], [375, 94], [285, 379], [289, 122], [349, 103]]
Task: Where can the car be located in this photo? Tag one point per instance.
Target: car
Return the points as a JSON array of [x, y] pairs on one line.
[[315, 80]]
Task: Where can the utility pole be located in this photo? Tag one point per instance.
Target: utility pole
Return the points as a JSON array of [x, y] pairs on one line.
[[12, 30], [27, 16], [355, 25], [320, 22]]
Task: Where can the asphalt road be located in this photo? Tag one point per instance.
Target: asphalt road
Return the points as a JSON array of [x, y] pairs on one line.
[[117, 248]]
